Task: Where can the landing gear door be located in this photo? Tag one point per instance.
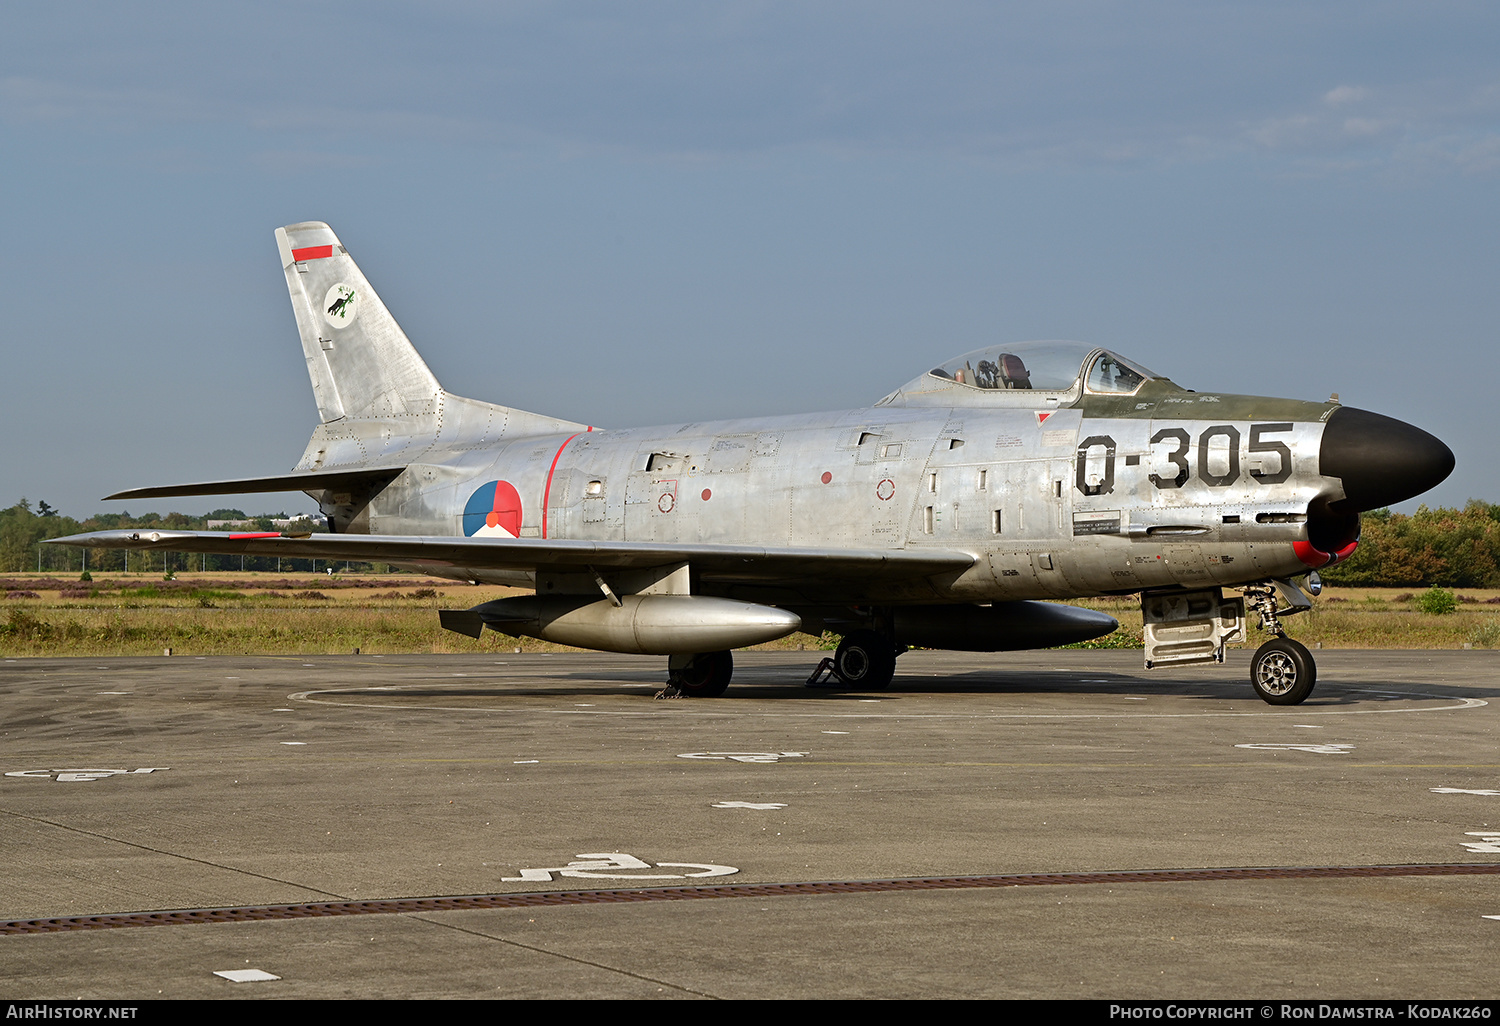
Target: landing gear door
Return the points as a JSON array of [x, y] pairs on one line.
[[1190, 626]]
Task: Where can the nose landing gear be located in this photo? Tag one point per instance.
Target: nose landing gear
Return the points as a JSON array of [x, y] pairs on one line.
[[1283, 671]]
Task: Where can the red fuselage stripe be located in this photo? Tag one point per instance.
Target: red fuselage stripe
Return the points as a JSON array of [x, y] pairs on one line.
[[547, 491]]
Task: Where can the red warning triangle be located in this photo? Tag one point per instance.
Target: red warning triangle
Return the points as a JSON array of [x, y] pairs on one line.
[[1043, 416]]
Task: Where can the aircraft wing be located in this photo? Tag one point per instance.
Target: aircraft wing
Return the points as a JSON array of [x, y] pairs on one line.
[[728, 563]]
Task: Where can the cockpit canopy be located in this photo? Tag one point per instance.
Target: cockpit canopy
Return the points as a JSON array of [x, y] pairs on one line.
[[1035, 367], [1047, 366]]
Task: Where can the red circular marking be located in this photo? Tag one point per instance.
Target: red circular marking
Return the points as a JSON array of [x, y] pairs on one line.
[[506, 513], [666, 502], [827, 477], [885, 489], [707, 495]]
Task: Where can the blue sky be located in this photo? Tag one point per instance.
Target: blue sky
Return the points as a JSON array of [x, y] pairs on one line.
[[655, 212]]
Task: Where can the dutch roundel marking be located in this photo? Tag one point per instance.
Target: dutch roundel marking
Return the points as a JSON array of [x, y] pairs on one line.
[[885, 489], [340, 305], [493, 511]]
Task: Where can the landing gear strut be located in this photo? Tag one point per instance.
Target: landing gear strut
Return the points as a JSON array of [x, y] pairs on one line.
[[700, 675], [1283, 671]]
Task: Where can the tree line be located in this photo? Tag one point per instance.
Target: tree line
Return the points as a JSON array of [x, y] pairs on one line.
[[1446, 548], [1443, 547], [23, 529]]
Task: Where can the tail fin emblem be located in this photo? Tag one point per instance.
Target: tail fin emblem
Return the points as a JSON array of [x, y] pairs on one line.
[[341, 306]]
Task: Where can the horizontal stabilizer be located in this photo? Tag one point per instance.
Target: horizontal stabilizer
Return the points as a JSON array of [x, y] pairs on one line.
[[318, 480], [721, 563]]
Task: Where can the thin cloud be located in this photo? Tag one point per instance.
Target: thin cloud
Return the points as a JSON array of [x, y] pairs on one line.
[[1345, 94], [42, 101], [1421, 128]]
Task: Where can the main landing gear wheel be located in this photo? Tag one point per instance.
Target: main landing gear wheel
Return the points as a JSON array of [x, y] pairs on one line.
[[865, 660], [705, 675], [1283, 672]]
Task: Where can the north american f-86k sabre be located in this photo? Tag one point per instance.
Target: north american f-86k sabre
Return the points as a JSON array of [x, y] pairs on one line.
[[937, 517]]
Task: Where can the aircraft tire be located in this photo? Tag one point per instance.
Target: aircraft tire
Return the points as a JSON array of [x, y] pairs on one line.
[[1283, 672], [865, 660], [706, 675]]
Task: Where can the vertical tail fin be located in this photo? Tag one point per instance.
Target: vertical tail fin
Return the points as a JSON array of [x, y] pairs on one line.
[[360, 361]]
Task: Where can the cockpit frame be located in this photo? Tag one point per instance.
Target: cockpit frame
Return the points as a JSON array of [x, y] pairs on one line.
[[1025, 374]]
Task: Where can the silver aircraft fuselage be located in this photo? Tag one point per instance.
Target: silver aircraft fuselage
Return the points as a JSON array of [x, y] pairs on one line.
[[1052, 500]]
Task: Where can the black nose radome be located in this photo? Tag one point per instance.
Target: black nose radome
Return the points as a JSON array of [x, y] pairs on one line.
[[1380, 460]]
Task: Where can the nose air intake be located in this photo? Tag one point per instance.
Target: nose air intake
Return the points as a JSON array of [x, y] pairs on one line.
[[1380, 460]]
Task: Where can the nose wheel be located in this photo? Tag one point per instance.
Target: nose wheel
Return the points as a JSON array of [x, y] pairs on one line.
[[1283, 672]]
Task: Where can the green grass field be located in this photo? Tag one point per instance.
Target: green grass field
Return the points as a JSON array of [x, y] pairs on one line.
[[269, 614]]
